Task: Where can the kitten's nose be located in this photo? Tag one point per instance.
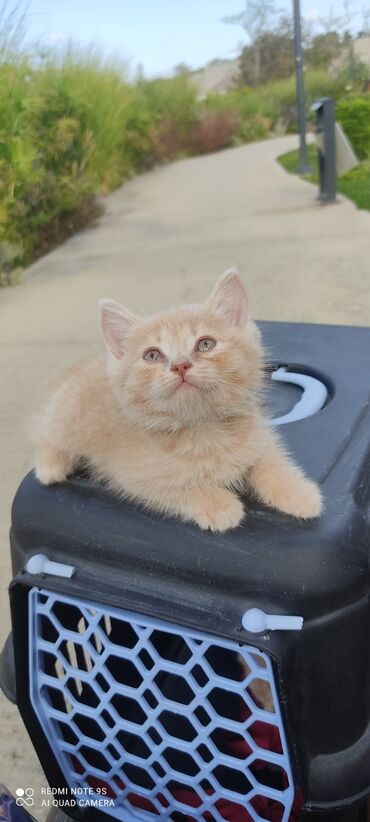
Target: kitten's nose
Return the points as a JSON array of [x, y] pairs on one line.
[[181, 366]]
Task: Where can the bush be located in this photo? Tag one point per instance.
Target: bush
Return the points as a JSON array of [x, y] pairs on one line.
[[276, 102], [74, 128], [354, 115], [161, 115], [213, 131], [256, 127], [61, 132]]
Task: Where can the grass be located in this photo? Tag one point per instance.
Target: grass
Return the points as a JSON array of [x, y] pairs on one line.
[[290, 160], [355, 184]]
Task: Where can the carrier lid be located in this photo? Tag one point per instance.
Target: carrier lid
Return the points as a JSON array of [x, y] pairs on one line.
[[313, 567]]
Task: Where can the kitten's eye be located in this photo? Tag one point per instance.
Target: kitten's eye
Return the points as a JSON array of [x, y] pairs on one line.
[[205, 344], [152, 355]]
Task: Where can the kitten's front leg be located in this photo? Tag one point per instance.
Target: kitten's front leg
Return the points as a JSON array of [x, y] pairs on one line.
[[213, 509], [281, 484], [52, 464]]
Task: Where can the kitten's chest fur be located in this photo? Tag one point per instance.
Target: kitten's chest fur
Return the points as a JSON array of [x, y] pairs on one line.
[[208, 454], [215, 451]]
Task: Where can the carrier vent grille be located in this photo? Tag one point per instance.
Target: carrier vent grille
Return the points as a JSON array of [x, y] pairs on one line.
[[165, 721]]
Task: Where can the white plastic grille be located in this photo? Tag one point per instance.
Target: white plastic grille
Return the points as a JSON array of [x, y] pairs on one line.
[[170, 722]]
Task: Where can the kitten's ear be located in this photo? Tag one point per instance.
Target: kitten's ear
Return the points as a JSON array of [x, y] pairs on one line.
[[230, 299], [115, 324]]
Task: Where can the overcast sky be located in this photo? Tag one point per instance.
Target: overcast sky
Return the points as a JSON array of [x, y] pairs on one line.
[[158, 34]]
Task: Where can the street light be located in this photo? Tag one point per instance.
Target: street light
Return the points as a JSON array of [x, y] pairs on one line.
[[303, 165]]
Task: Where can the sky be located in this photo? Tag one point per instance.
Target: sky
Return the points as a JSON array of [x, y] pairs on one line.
[[155, 34]]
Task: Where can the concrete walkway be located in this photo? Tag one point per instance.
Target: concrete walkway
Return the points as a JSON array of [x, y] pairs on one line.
[[164, 238]]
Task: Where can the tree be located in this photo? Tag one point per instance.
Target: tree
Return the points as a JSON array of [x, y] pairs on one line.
[[181, 69], [331, 21], [341, 23], [276, 55], [323, 49], [256, 19]]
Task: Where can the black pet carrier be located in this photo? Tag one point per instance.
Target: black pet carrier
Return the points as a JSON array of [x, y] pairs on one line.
[[166, 672]]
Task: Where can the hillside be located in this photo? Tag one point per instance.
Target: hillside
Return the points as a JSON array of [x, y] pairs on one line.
[[218, 76]]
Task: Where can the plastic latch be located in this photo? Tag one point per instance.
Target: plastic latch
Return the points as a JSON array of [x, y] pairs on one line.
[[257, 621], [40, 564]]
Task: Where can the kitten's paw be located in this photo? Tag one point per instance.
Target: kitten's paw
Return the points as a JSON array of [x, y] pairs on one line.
[[52, 466], [220, 510], [302, 500], [49, 475]]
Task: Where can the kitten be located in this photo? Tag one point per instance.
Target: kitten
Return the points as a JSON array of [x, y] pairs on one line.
[[172, 418]]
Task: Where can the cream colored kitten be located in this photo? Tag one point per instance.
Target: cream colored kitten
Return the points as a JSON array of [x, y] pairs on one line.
[[172, 417]]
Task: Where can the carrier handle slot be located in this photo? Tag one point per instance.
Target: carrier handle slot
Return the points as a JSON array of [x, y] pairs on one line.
[[313, 398]]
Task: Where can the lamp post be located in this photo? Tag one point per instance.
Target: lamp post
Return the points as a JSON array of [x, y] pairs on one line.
[[303, 165]]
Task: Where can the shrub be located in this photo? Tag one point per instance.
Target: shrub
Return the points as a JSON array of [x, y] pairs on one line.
[[173, 97], [166, 142], [72, 128], [277, 101], [256, 127], [354, 115], [161, 115], [213, 131], [355, 72]]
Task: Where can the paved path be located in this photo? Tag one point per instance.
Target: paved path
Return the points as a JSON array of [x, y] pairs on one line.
[[165, 237]]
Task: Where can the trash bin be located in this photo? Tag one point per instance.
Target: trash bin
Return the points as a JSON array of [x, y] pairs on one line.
[[325, 142], [140, 674]]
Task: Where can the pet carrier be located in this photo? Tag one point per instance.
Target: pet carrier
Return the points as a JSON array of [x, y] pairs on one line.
[[166, 672]]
